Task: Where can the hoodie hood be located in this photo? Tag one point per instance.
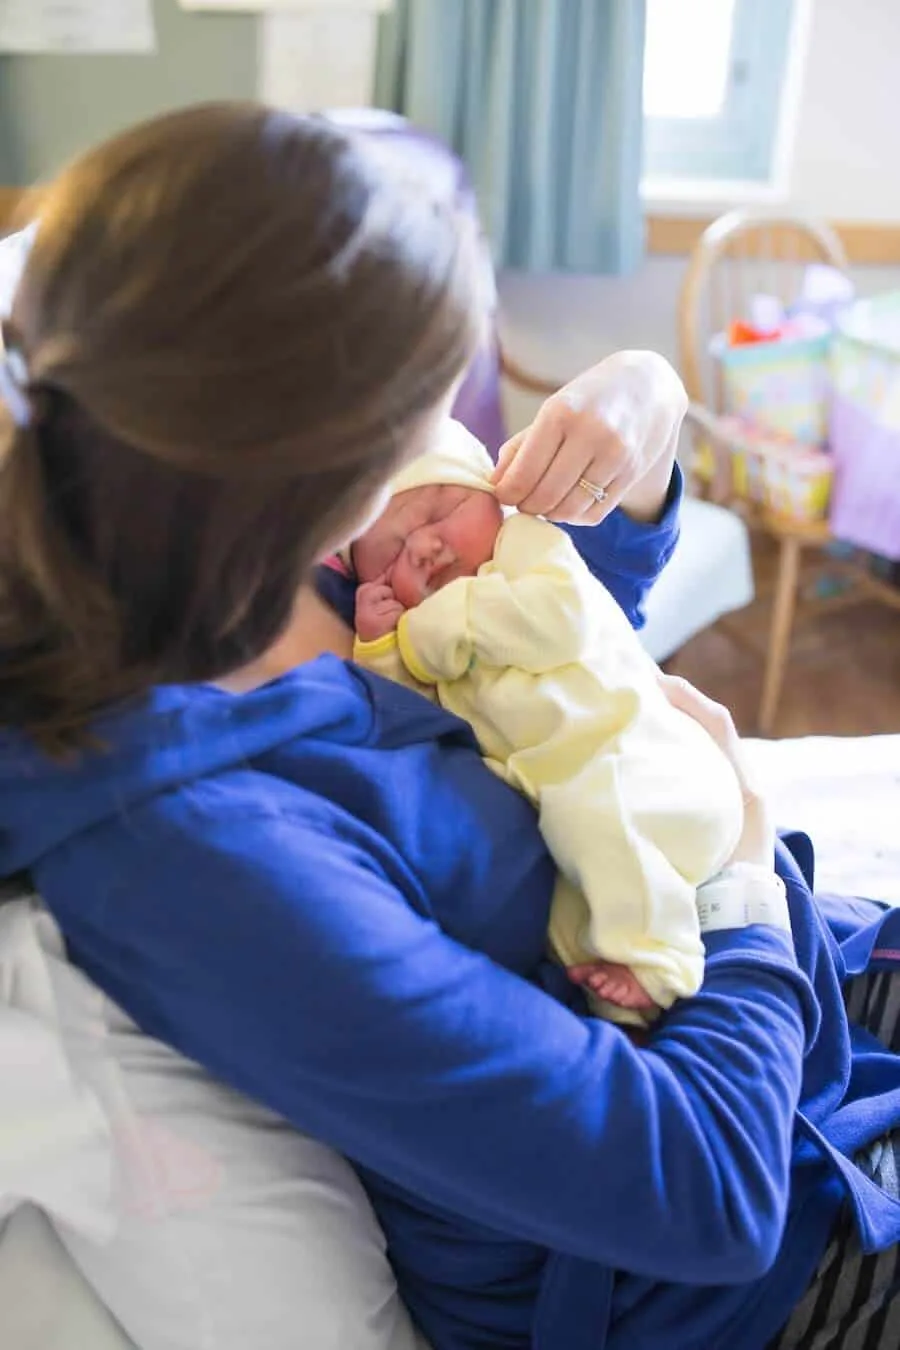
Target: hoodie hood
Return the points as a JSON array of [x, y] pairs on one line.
[[181, 733]]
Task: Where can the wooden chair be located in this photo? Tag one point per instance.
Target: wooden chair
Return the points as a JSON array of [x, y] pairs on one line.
[[742, 254]]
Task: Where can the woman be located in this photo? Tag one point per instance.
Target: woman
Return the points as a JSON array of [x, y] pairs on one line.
[[232, 328]]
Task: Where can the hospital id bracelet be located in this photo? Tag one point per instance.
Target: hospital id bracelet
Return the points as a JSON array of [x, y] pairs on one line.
[[740, 895]]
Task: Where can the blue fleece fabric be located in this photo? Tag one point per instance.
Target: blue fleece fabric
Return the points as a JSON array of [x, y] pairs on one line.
[[319, 892]]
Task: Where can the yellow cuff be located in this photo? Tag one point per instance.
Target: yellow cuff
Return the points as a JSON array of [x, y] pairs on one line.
[[365, 651], [407, 652]]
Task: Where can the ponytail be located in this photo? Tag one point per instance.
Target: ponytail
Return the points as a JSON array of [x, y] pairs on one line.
[[59, 630]]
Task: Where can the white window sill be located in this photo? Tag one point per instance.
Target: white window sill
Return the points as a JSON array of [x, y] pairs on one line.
[[706, 196]]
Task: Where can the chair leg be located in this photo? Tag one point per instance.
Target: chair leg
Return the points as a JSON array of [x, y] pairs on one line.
[[780, 631]]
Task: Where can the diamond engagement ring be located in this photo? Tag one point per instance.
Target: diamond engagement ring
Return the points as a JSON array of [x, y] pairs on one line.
[[598, 493]]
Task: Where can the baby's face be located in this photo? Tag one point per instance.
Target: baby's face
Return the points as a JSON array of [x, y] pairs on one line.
[[428, 537]]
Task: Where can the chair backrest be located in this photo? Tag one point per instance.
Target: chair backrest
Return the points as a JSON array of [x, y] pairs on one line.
[[742, 254], [478, 404]]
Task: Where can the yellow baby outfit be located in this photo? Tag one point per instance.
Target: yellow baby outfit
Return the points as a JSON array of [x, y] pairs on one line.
[[636, 803]]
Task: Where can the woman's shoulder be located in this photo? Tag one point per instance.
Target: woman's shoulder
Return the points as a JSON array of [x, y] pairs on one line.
[[176, 737], [268, 798]]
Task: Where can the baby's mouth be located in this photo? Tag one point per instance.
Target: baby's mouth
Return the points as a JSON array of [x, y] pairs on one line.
[[435, 581]]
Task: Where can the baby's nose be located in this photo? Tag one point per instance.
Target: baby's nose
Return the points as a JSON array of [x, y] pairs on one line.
[[426, 547]]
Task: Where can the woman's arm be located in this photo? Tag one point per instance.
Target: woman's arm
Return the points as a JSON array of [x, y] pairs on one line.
[[285, 959], [628, 555]]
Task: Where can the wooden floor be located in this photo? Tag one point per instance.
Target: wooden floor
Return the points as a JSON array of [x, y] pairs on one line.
[[843, 677]]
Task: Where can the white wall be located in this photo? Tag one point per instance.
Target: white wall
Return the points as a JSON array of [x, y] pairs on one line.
[[52, 107], [845, 166], [847, 149]]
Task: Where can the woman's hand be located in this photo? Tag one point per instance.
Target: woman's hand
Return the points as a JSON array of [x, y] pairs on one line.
[[616, 427], [757, 842]]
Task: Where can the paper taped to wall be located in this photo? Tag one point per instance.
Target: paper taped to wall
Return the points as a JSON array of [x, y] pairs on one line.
[[285, 6], [316, 59], [28, 26]]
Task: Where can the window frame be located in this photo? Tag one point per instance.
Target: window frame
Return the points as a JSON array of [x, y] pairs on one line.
[[741, 143]]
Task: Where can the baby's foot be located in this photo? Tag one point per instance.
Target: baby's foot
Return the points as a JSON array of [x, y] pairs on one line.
[[616, 984]]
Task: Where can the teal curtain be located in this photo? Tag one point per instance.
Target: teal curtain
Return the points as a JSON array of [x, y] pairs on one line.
[[542, 99]]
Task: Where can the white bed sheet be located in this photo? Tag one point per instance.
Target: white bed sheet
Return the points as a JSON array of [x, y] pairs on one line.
[[44, 1302], [844, 793]]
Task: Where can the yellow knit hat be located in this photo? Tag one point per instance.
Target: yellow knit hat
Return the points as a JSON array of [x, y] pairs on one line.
[[457, 459]]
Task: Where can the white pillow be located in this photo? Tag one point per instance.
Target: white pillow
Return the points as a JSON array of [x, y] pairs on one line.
[[234, 1230], [45, 1303], [55, 1146]]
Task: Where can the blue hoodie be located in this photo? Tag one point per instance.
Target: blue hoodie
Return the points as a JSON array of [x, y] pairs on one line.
[[319, 892]]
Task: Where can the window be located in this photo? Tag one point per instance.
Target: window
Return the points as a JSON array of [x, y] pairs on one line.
[[714, 76]]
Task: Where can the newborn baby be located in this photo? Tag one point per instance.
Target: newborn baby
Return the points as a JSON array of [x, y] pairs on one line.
[[501, 621]]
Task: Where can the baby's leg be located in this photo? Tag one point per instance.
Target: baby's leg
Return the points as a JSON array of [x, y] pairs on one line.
[[614, 983], [624, 903]]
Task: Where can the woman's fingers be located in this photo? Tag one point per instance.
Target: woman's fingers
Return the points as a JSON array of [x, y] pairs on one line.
[[539, 471], [611, 426], [578, 507], [591, 454], [526, 459], [561, 482], [508, 452]]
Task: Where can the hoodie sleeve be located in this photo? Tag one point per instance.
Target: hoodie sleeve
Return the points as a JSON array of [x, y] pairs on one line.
[[309, 982], [627, 555]]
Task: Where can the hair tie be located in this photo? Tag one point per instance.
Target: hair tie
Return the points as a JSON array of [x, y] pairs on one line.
[[14, 383]]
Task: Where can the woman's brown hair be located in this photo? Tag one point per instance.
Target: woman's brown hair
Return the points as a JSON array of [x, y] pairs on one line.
[[232, 322]]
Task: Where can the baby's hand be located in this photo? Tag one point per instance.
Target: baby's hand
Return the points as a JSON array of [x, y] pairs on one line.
[[378, 611]]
